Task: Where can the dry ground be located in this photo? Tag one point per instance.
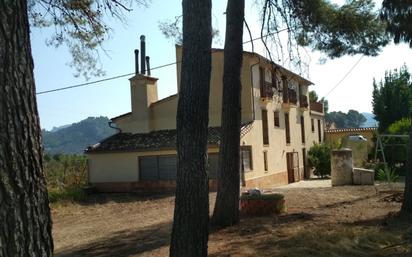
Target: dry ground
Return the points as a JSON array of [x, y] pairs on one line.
[[325, 221]]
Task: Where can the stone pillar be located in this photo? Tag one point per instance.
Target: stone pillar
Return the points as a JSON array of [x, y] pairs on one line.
[[342, 165]]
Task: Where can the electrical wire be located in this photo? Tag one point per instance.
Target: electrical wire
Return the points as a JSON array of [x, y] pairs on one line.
[[129, 74], [344, 77]]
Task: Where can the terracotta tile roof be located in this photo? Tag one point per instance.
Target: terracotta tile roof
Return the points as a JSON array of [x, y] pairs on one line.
[[156, 140], [152, 141], [350, 130]]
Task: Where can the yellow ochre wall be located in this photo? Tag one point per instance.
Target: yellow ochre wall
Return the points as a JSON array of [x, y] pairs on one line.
[[123, 167]]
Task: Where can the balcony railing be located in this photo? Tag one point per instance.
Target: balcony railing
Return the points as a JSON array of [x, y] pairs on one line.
[[316, 106], [266, 90], [303, 101], [292, 96]]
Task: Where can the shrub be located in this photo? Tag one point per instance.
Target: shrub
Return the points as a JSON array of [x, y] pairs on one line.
[[65, 177], [387, 174], [319, 159]]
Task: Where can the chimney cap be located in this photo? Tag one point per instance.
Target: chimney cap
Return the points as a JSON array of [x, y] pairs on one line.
[[142, 37]]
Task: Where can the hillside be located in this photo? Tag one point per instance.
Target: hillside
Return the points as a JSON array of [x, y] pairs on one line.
[[74, 138], [370, 121]]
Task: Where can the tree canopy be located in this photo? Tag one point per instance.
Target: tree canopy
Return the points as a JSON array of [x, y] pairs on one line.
[[79, 25], [352, 119], [392, 97], [398, 15]]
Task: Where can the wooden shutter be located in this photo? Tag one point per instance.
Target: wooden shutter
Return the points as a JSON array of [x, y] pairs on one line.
[[148, 168], [265, 127], [287, 128], [167, 165]]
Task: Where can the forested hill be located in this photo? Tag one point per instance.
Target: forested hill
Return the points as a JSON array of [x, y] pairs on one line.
[[73, 139]]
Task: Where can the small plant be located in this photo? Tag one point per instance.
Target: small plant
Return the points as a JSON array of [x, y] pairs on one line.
[[319, 159], [387, 174]]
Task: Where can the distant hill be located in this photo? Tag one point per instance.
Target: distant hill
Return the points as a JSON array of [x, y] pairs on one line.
[[370, 121], [74, 138]]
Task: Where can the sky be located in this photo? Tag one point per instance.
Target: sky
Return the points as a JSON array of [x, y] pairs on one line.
[[112, 98]]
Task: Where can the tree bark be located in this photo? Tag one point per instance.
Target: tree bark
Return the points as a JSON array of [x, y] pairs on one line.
[[25, 223], [226, 211], [407, 197], [191, 215]]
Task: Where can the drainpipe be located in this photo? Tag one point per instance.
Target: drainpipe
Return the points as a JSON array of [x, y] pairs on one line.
[[251, 82], [142, 54], [116, 128]]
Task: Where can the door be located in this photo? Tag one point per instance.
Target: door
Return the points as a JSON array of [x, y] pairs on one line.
[[289, 163], [305, 169], [292, 161]]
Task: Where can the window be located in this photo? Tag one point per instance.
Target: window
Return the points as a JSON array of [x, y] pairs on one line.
[[246, 158], [164, 167], [287, 128], [285, 89], [274, 80], [276, 119], [302, 128], [265, 127], [312, 123], [262, 82], [319, 132], [265, 160]]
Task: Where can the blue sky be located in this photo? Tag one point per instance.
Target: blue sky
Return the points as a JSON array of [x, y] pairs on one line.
[[112, 98]]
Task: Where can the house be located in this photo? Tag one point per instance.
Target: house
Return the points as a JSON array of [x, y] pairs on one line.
[[279, 125]]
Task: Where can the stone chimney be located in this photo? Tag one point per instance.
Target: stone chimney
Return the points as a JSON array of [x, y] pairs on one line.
[[143, 92]]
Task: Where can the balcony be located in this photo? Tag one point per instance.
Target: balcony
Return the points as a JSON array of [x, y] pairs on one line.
[[303, 101], [293, 99], [266, 90], [316, 107]]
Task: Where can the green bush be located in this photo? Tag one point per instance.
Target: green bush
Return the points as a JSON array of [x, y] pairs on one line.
[[65, 175], [319, 159], [70, 194], [387, 174]]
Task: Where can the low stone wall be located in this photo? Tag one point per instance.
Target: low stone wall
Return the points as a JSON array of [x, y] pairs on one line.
[[272, 180], [266, 204], [363, 176], [170, 185]]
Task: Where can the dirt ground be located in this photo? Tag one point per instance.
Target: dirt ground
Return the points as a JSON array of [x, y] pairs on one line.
[[320, 221]]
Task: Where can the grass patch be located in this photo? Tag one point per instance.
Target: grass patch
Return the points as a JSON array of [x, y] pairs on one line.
[[71, 194]]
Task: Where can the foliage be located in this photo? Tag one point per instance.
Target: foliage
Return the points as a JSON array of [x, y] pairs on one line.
[[349, 29], [75, 138], [172, 30], [80, 26], [319, 159], [65, 176], [400, 127], [387, 174], [313, 97], [392, 97], [398, 15], [352, 119]]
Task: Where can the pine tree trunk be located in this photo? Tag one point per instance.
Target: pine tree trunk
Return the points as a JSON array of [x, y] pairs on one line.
[[191, 214], [25, 223], [407, 199], [226, 211]]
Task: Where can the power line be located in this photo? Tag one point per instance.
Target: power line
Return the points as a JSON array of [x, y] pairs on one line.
[[129, 74], [344, 77], [99, 81]]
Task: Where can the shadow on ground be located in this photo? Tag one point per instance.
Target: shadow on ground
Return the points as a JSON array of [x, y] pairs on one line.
[[124, 243], [101, 198]]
